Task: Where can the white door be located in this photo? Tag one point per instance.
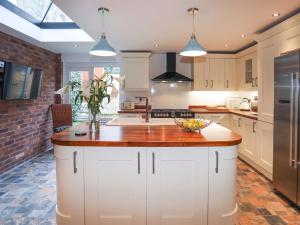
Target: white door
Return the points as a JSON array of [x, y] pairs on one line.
[[230, 74], [249, 139], [69, 185], [265, 145], [222, 181], [217, 69], [177, 186], [115, 186]]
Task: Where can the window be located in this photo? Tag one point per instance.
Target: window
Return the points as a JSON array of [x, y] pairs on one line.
[[42, 13], [81, 113]]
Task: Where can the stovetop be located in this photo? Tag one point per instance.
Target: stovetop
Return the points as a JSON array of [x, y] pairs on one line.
[[172, 113]]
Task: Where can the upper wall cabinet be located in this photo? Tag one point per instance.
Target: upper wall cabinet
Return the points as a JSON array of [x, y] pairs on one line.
[[215, 72], [135, 68], [247, 69]]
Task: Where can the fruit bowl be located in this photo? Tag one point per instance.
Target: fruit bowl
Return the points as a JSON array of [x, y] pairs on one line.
[[193, 125]]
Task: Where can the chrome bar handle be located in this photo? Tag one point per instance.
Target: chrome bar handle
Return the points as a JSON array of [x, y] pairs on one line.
[[139, 162], [153, 163], [206, 83], [212, 83], [253, 127], [217, 162], [227, 83], [256, 81], [291, 121], [75, 162], [296, 123]]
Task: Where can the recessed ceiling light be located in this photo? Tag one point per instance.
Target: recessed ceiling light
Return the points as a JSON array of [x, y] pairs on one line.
[[243, 35], [276, 14], [156, 45], [226, 45], [75, 45]]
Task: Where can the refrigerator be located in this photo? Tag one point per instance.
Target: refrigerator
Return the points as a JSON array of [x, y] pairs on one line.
[[286, 163]]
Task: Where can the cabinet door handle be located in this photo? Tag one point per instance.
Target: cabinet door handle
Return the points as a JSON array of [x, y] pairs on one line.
[[239, 122], [256, 81], [75, 162], [217, 162], [139, 162], [253, 127], [153, 163], [253, 81], [206, 83], [212, 83], [227, 84]]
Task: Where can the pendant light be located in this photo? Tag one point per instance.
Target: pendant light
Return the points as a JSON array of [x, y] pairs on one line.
[[193, 48], [103, 48]]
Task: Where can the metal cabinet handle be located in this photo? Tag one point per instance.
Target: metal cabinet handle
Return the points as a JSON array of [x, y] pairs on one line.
[[256, 81], [239, 122], [139, 162], [217, 162], [75, 162], [253, 127], [252, 82], [206, 83], [227, 84], [212, 83], [153, 163]]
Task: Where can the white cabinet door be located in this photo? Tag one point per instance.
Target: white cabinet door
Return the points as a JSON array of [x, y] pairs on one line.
[[265, 145], [201, 73], [249, 149], [230, 74], [136, 72], [266, 83], [177, 186], [222, 181], [217, 72], [237, 127], [69, 185], [115, 186]]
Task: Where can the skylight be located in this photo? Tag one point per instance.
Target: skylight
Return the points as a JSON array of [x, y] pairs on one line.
[[42, 13]]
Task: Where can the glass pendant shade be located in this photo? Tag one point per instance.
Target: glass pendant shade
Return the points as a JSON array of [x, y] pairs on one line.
[[103, 48], [193, 48]]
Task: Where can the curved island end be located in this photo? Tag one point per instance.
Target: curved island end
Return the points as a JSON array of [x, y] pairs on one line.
[[142, 175]]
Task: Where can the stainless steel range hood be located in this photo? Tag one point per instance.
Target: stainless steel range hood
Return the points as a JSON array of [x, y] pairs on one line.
[[171, 76]]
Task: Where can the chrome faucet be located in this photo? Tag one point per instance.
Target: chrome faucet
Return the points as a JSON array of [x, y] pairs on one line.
[[147, 108]]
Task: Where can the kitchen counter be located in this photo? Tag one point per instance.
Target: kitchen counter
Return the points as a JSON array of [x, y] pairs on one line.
[[147, 136]]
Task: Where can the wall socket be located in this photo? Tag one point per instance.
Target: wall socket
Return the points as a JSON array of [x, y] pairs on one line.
[[20, 155]]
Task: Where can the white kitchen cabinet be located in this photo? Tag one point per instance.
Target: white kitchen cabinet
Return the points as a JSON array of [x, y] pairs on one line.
[[249, 149], [201, 73], [265, 145], [248, 70], [135, 68], [222, 186], [215, 73], [237, 127], [69, 185], [230, 74], [177, 186], [115, 186]]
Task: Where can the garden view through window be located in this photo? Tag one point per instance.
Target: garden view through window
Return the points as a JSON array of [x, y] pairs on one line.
[[81, 113]]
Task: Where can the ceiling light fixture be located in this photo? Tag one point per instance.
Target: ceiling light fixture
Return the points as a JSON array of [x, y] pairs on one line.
[[75, 45], [276, 14], [103, 48], [193, 48], [226, 46], [243, 35]]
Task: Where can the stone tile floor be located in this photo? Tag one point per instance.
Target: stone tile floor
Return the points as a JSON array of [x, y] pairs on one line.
[[27, 196]]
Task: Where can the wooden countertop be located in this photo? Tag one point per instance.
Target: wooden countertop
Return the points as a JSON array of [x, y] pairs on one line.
[[147, 136]]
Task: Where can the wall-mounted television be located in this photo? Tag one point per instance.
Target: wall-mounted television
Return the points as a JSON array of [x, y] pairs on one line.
[[19, 81]]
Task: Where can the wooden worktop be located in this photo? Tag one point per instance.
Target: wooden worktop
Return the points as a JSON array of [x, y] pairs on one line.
[[147, 136]]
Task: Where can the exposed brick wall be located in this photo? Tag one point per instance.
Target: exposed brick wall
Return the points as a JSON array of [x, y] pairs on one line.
[[26, 125]]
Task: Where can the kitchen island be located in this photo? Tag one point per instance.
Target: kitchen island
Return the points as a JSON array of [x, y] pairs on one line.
[[146, 174]]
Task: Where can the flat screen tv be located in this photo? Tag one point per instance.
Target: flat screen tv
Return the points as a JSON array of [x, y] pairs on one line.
[[19, 82]]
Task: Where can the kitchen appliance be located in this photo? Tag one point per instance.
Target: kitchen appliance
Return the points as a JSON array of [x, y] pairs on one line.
[[128, 105], [172, 113], [286, 168], [245, 104], [171, 76]]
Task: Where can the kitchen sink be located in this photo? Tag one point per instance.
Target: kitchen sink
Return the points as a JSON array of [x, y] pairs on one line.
[[140, 122]]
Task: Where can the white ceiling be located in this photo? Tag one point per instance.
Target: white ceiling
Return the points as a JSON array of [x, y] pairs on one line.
[[140, 24]]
